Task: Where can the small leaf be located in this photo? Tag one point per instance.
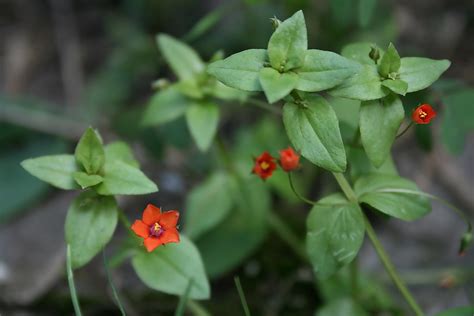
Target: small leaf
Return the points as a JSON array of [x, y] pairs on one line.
[[56, 170], [288, 44], [390, 61], [379, 123], [86, 180], [360, 52], [184, 61], [365, 85], [420, 73], [170, 268], [90, 152], [208, 204], [122, 178], [223, 92], [165, 106], [314, 131], [397, 86], [335, 232], [241, 70], [90, 224], [277, 85], [190, 88], [120, 151], [324, 70], [202, 120], [361, 165], [407, 207]]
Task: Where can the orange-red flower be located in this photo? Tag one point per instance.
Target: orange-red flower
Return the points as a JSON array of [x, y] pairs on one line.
[[423, 114], [156, 228], [289, 160], [264, 165]]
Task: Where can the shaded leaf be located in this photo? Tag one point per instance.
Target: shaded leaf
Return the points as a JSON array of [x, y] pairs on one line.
[[166, 105], [420, 73], [277, 85], [202, 120], [90, 152], [57, 170]]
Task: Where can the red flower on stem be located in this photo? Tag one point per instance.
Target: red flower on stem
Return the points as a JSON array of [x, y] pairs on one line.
[[423, 114], [156, 228], [264, 165], [289, 159]]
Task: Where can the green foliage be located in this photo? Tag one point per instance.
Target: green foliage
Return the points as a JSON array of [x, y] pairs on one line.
[[379, 123], [86, 180], [335, 232], [390, 62], [89, 152], [420, 73], [208, 204], [343, 306], [314, 131], [90, 224], [56, 170], [458, 311], [202, 120], [277, 85], [407, 207], [165, 106], [170, 268], [120, 151], [396, 86]]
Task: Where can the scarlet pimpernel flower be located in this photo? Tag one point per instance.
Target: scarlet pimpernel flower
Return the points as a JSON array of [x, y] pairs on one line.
[[289, 159], [156, 228], [264, 165], [423, 114]]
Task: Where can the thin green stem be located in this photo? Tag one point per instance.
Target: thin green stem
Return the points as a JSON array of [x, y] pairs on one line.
[[405, 130], [70, 281], [389, 267], [265, 106], [197, 308], [293, 188], [124, 219], [183, 300], [243, 300], [114, 290], [287, 235]]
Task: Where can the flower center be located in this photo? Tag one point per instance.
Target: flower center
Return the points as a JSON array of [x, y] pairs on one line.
[[423, 114], [264, 165], [156, 230]]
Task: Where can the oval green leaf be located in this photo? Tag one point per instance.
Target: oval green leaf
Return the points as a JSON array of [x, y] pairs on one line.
[[277, 85], [90, 152], [397, 86], [420, 73], [165, 106], [203, 119], [86, 180]]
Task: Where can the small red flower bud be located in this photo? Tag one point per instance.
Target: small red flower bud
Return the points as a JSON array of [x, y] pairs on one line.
[[289, 160], [423, 114], [264, 165]]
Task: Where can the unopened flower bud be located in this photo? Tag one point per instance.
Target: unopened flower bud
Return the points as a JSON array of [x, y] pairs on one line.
[[465, 243], [374, 54]]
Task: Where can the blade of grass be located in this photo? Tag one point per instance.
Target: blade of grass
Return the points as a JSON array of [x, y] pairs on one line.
[[70, 281], [111, 284], [242, 296], [183, 300]]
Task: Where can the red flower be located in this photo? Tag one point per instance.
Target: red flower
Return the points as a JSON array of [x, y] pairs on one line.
[[289, 160], [423, 114], [264, 165], [156, 228]]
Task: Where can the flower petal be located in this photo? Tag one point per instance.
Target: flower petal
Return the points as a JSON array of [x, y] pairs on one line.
[[151, 243], [169, 219], [141, 229], [170, 235], [151, 214]]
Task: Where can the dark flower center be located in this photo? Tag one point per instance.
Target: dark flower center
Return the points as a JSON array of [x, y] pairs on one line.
[[156, 230]]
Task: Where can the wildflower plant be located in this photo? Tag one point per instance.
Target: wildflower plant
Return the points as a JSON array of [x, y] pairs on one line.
[[228, 215]]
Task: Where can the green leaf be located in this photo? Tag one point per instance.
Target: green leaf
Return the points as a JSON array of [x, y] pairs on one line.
[[288, 44], [86, 180], [190, 88], [361, 165], [342, 307], [122, 178], [366, 11], [165, 106], [57, 170], [407, 207], [390, 62], [208, 204], [90, 224], [202, 120], [120, 151], [420, 73], [170, 268], [241, 70], [365, 85], [313, 130], [183, 60], [221, 91], [398, 86], [277, 85], [335, 232], [360, 52], [458, 311], [90, 152], [457, 119], [225, 247], [324, 70], [379, 123]]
